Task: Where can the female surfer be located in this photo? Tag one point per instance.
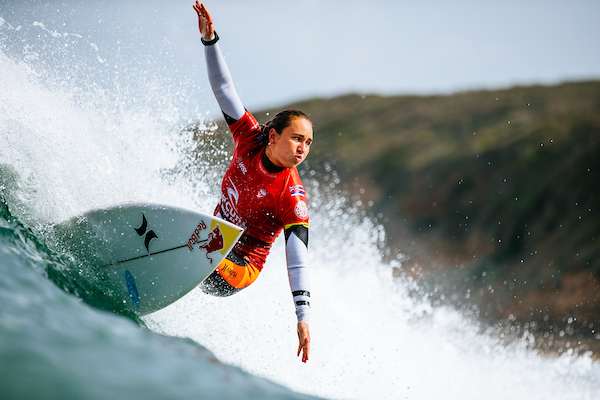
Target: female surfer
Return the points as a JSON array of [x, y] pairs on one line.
[[261, 189]]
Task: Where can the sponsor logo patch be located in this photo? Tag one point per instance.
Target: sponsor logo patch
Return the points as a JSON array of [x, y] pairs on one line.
[[215, 242], [195, 238], [301, 210], [240, 164]]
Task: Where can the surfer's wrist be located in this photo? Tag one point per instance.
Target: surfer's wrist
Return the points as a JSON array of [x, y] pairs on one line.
[[210, 42]]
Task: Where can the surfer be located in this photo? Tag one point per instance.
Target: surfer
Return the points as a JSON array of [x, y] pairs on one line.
[[261, 190]]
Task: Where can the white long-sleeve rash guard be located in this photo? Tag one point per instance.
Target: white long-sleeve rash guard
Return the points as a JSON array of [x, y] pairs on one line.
[[296, 248]]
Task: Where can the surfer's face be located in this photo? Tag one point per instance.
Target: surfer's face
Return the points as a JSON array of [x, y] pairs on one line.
[[291, 147]]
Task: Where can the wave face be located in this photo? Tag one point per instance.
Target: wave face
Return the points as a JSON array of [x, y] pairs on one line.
[[84, 126]]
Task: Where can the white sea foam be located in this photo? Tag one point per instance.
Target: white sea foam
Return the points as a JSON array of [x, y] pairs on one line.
[[370, 340]]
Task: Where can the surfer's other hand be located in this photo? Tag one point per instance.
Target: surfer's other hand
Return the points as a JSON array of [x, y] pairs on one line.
[[304, 338]]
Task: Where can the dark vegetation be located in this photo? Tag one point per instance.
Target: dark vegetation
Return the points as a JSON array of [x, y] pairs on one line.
[[494, 196]]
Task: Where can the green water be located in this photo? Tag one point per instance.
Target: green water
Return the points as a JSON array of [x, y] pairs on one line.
[[54, 346]]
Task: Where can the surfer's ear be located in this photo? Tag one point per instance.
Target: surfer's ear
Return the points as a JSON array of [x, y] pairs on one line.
[[273, 135]]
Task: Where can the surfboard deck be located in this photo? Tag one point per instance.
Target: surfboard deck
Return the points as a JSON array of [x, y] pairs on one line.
[[141, 256]]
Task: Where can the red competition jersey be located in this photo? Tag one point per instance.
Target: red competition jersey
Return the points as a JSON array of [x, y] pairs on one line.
[[261, 202]]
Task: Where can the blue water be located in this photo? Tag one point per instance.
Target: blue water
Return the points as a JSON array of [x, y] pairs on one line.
[[83, 126]]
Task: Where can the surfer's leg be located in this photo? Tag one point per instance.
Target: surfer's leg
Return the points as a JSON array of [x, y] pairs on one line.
[[231, 276], [215, 285]]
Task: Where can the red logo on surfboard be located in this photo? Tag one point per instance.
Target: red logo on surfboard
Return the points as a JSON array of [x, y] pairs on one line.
[[195, 238], [215, 242]]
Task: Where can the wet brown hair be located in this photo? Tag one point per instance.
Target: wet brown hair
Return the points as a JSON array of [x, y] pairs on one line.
[[281, 121]]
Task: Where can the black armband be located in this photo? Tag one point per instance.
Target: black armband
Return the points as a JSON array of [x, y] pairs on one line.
[[304, 297], [211, 41], [300, 231]]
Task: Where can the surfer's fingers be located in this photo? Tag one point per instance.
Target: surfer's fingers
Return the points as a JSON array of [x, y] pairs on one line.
[[197, 7], [304, 349], [202, 12], [205, 13], [304, 339]]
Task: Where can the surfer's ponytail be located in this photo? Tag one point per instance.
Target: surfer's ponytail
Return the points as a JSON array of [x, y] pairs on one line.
[[281, 121]]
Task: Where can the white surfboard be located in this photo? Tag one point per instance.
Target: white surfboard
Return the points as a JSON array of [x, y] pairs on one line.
[[144, 256]]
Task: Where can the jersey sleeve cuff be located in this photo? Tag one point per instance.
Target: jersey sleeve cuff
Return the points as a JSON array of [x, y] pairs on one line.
[[303, 314]]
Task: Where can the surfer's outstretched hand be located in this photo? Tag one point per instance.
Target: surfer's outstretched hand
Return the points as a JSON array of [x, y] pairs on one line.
[[304, 338], [205, 21]]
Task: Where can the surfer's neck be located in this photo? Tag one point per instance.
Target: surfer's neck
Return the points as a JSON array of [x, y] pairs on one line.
[[269, 166]]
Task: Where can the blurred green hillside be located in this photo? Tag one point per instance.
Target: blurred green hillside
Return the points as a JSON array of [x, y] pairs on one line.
[[493, 195]]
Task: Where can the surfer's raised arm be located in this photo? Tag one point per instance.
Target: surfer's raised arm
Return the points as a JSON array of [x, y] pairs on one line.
[[218, 73]]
